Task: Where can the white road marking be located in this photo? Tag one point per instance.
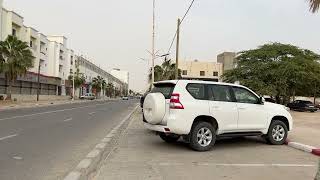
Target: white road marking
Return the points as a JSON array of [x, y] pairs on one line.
[[48, 112], [67, 120], [7, 137], [17, 157], [91, 113]]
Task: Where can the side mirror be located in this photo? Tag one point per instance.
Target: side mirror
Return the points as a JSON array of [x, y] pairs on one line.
[[262, 100]]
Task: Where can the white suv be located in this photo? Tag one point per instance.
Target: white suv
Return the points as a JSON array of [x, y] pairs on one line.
[[202, 111]]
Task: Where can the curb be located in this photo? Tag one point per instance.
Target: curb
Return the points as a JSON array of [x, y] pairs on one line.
[[304, 147], [88, 167]]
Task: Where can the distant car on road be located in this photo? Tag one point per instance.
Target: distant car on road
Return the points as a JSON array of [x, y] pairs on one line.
[[88, 96], [125, 98], [302, 105], [269, 99]]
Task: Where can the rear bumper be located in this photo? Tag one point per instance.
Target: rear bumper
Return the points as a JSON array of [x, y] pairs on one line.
[[157, 128]]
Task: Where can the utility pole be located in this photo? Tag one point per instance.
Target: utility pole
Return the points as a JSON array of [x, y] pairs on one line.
[[177, 49], [153, 39], [38, 90]]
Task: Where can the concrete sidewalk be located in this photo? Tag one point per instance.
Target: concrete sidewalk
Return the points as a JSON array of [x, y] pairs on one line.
[[306, 128], [142, 155]]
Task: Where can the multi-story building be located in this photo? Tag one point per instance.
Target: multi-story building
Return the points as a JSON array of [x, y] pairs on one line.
[[52, 58], [121, 75], [228, 59], [90, 70], [201, 70]]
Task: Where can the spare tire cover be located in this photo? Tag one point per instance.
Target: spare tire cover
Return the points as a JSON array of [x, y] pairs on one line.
[[154, 108]]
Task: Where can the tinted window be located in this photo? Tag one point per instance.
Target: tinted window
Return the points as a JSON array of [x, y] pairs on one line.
[[244, 96], [196, 91], [165, 89], [219, 93]]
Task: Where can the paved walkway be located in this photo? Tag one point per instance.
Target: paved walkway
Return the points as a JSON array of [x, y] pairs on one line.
[[306, 128], [142, 155]]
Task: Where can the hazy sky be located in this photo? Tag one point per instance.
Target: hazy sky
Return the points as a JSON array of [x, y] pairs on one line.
[[116, 33]]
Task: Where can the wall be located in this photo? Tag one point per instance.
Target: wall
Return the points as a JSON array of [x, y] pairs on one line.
[[20, 97], [227, 59], [194, 67]]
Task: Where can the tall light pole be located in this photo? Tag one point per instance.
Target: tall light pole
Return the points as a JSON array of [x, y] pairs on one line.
[[177, 49], [153, 37], [73, 83]]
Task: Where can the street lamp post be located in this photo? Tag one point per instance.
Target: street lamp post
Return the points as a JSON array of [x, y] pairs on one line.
[[153, 39]]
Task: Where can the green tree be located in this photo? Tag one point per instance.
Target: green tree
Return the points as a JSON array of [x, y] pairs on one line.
[[79, 79], [109, 89], [276, 69], [314, 5], [165, 71], [99, 83], [15, 60]]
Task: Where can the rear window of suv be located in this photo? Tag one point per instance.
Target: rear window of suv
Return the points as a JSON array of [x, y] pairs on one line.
[[164, 88]]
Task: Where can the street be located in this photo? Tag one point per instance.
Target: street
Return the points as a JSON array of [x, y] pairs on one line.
[[45, 143], [143, 155]]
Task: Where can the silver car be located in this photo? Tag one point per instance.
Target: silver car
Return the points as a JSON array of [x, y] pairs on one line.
[[89, 96]]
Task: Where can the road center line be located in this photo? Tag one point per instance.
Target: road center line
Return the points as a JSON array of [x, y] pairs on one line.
[[48, 112], [7, 137], [67, 120]]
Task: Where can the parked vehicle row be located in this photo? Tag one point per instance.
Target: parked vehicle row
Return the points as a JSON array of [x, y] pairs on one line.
[[201, 112], [302, 105]]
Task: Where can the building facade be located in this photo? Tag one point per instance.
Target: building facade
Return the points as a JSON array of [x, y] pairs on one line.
[[53, 59], [122, 76], [90, 71], [228, 59], [201, 70]]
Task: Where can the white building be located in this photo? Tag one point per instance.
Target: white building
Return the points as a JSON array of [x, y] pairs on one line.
[[121, 75], [91, 71], [53, 58]]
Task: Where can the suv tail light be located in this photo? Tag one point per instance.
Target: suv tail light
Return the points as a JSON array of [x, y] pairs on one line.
[[175, 101]]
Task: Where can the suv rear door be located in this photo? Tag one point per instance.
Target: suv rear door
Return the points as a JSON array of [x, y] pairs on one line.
[[222, 107], [166, 89]]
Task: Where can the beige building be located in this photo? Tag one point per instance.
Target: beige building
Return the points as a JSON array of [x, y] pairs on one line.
[[201, 70], [227, 59]]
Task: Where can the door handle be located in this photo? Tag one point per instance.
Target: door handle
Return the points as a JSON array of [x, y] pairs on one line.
[[241, 108], [215, 107]]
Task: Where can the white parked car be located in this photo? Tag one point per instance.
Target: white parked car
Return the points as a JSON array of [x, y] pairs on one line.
[[88, 96], [201, 112]]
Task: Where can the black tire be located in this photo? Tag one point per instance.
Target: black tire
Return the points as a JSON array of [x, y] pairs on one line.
[[169, 138], [194, 142], [270, 139]]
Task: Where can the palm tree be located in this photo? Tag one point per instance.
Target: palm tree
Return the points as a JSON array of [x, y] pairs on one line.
[[15, 60], [164, 72], [314, 5], [99, 83], [109, 89], [79, 79]]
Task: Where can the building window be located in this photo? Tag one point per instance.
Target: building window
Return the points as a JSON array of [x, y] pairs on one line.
[[202, 73], [31, 44], [215, 73], [184, 72], [14, 32]]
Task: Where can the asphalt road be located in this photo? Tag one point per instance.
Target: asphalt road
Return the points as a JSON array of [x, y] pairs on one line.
[[45, 143]]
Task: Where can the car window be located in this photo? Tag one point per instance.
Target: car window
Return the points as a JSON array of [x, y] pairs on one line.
[[196, 90], [165, 88], [219, 93], [244, 96]]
